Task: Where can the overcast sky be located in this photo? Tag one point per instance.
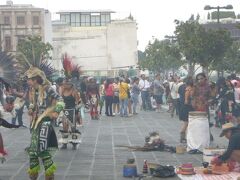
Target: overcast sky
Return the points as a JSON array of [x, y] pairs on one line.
[[155, 18]]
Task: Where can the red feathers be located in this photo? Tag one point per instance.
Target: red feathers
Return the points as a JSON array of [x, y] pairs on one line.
[[70, 69]]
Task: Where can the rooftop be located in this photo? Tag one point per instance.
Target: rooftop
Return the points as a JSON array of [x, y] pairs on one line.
[[86, 11], [9, 5]]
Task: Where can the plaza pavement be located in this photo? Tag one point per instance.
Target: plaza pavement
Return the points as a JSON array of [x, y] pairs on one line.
[[97, 157]]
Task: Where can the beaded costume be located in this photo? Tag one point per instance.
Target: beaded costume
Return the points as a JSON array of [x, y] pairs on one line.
[[70, 133], [43, 138]]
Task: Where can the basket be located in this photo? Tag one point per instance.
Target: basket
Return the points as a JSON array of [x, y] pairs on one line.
[[180, 149], [152, 167], [220, 169]]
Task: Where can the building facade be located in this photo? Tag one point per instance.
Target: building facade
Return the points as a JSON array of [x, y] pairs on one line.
[[229, 24], [18, 21], [93, 40]]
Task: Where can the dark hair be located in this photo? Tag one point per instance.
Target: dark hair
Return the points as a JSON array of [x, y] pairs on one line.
[[188, 81], [108, 81], [59, 80], [127, 80], [117, 79], [135, 79], [200, 74], [38, 78]]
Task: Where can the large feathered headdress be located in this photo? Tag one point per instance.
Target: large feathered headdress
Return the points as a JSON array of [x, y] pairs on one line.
[[33, 52], [71, 70], [37, 57]]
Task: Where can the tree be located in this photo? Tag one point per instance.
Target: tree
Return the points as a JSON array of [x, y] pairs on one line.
[[208, 16], [188, 34], [201, 46], [231, 61], [33, 50], [161, 56], [219, 42], [141, 56]]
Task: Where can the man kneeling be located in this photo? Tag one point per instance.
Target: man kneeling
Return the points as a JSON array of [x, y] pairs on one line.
[[232, 153]]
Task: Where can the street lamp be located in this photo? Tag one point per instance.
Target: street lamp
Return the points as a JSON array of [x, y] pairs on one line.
[[207, 7], [171, 38]]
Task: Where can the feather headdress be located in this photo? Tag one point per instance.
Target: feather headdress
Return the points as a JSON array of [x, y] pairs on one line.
[[67, 65], [71, 70], [8, 69], [34, 53]]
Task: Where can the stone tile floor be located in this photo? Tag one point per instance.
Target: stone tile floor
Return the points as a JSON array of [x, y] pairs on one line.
[[97, 157]]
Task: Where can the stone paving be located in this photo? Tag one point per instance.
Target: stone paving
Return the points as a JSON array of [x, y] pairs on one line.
[[97, 157]]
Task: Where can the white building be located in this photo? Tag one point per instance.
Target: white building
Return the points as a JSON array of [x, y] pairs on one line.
[[95, 41]]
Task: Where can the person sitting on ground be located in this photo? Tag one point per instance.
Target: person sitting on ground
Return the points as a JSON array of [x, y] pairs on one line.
[[232, 153]]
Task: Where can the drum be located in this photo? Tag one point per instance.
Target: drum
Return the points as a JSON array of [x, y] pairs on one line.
[[198, 135]]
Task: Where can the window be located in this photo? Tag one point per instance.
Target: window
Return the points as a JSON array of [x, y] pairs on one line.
[[85, 19], [6, 20], [108, 18], [65, 18], [20, 39], [105, 19], [95, 20], [8, 44], [62, 17], [73, 19], [20, 20], [35, 20]]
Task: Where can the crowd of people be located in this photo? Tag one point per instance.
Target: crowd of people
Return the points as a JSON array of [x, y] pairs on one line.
[[119, 96]]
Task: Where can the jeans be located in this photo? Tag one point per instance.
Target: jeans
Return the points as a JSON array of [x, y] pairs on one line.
[[19, 114], [146, 101], [108, 102], [135, 102], [123, 107]]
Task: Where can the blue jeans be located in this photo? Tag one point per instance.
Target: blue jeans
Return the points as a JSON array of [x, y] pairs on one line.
[[135, 102], [19, 114], [123, 107], [146, 101]]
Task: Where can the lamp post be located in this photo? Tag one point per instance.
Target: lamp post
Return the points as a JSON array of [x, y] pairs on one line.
[[207, 7], [171, 38]]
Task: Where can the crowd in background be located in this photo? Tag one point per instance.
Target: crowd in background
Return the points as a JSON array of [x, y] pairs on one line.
[[124, 97]]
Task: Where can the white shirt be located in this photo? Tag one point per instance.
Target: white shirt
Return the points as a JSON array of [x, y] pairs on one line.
[[144, 85], [237, 95], [174, 90]]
